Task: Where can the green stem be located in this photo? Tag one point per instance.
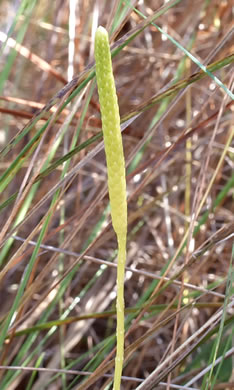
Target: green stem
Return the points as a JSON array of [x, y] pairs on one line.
[[120, 311]]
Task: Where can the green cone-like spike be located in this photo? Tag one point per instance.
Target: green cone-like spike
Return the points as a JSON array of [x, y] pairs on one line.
[[116, 177], [111, 131]]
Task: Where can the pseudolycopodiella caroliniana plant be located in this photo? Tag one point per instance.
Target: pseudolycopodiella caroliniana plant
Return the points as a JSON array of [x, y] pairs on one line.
[[116, 177]]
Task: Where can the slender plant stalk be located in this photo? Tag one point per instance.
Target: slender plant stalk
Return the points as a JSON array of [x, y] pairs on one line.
[[116, 177]]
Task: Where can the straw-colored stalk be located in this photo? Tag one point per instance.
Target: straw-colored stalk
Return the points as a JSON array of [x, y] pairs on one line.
[[116, 177]]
